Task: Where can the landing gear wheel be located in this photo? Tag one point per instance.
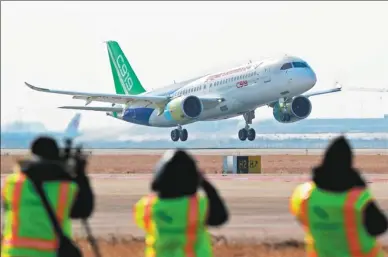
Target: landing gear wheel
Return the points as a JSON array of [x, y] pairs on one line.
[[175, 135], [251, 134], [183, 135], [242, 134]]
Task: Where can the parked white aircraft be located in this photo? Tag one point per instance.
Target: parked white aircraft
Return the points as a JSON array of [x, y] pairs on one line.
[[279, 83]]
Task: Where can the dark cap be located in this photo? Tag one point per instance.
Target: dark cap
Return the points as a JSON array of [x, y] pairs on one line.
[[176, 174], [338, 156], [45, 147]]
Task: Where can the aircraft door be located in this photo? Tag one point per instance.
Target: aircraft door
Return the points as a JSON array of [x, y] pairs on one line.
[[266, 75]]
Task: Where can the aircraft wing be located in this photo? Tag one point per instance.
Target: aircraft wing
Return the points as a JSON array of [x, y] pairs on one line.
[[103, 97], [338, 88], [159, 101], [210, 102], [365, 89], [326, 91], [99, 109]]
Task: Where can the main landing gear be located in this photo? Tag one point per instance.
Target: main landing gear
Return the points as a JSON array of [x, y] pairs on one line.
[[179, 133], [247, 132]]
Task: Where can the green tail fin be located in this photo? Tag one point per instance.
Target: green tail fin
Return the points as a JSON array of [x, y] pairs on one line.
[[125, 79]]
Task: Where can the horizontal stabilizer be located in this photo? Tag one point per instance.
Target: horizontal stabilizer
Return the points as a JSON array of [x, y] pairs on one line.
[[88, 108]]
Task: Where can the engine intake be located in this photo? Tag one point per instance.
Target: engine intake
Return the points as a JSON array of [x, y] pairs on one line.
[[297, 109], [183, 108]]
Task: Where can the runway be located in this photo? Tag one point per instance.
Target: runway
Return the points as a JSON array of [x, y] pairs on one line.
[[259, 208], [258, 204], [207, 151]]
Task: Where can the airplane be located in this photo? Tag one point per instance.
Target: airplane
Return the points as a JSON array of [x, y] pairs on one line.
[[280, 83], [9, 138]]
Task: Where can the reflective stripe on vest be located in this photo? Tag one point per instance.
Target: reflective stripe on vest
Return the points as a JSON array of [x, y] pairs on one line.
[[304, 218], [350, 217], [351, 226], [14, 240], [192, 221]]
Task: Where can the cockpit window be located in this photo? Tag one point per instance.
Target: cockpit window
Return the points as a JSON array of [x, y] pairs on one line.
[[286, 66], [299, 65]]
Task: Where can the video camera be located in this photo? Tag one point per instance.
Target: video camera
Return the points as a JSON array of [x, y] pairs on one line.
[[72, 156]]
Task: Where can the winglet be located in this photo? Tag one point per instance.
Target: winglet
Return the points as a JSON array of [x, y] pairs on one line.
[[338, 85], [36, 88]]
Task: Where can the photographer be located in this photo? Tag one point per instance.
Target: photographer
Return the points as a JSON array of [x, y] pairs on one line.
[[177, 211], [336, 208], [28, 230]]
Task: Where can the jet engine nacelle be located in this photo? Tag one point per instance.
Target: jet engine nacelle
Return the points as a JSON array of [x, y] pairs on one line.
[[183, 108], [296, 109]]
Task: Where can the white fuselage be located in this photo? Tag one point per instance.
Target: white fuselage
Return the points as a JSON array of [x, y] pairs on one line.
[[244, 89]]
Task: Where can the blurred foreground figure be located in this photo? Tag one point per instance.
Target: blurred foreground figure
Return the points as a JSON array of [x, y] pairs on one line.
[[176, 217], [337, 210], [28, 230]]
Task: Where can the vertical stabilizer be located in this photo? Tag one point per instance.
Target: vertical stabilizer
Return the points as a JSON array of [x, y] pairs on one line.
[[125, 79], [72, 128]]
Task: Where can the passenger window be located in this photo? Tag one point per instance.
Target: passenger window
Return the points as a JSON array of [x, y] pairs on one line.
[[286, 66]]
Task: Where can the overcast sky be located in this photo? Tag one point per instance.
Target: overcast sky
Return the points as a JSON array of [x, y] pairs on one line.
[[60, 45]]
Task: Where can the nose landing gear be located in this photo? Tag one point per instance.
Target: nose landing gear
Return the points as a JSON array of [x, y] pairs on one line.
[[247, 132]]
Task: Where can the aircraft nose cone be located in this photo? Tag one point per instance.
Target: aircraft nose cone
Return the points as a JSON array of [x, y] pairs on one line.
[[310, 79]]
